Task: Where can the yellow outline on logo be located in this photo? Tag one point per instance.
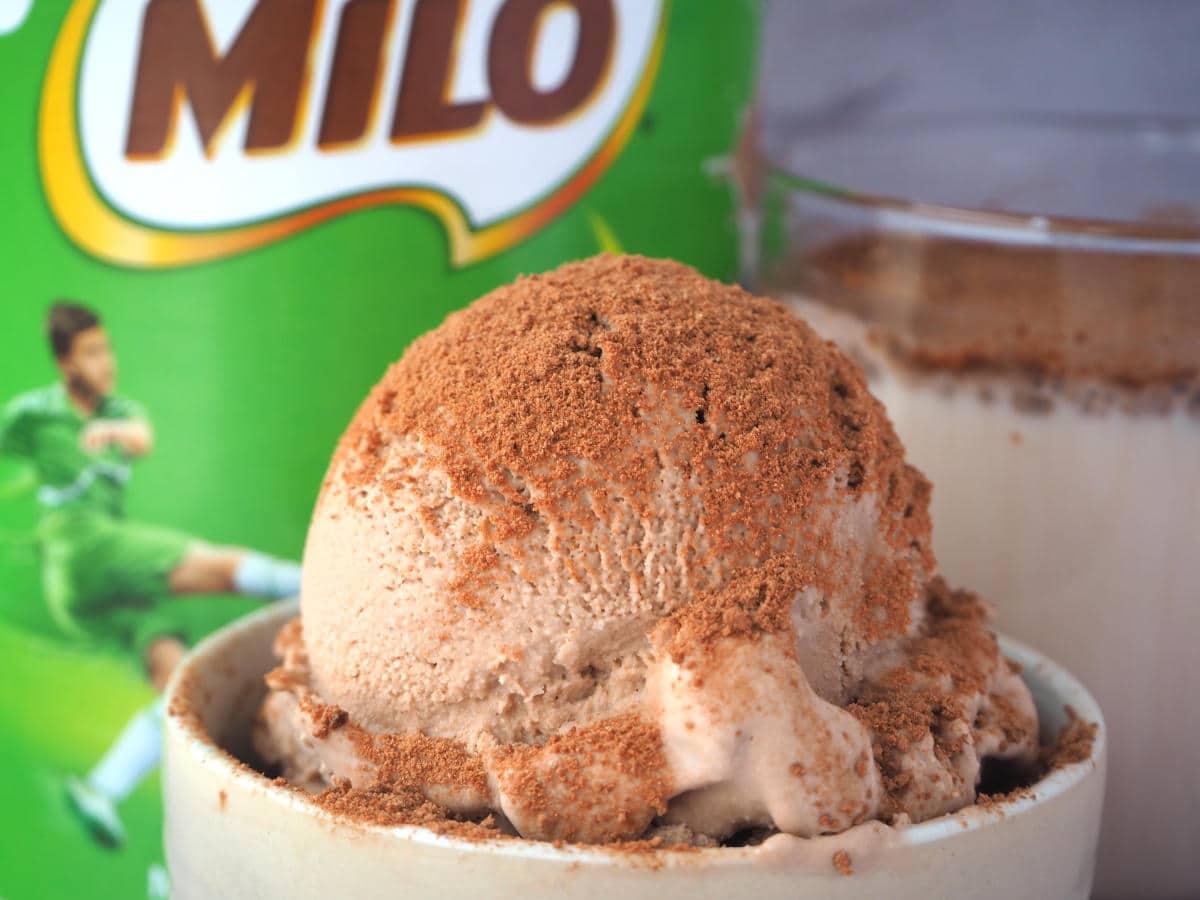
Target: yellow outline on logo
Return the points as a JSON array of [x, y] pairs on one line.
[[104, 233]]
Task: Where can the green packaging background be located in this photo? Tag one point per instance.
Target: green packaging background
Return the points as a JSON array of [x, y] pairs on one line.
[[250, 367]]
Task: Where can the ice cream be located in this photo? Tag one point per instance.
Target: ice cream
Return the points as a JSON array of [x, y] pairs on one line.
[[620, 551]]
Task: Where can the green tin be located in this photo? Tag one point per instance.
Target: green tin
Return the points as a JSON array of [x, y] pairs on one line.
[[263, 202]]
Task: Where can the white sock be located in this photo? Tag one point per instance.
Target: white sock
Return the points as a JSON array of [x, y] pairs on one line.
[[262, 576], [136, 753]]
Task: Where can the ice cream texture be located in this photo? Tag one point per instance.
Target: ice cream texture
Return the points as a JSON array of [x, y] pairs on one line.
[[620, 551]]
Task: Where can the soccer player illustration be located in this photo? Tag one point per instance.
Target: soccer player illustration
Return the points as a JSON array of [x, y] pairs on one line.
[[101, 572]]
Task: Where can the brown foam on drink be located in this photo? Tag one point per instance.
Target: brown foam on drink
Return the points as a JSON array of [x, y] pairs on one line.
[[958, 305]]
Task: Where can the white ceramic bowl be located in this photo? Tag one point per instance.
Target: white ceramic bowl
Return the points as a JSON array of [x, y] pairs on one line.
[[231, 833]]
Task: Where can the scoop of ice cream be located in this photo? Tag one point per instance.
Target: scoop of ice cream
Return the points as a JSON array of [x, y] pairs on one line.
[[629, 542], [542, 479]]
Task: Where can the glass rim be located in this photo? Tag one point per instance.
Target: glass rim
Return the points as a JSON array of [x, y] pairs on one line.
[[970, 222]]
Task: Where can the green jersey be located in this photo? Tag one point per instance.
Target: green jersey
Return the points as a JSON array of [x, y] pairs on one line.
[[101, 573], [44, 428]]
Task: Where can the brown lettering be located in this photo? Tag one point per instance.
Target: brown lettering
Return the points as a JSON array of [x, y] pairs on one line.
[[510, 59], [269, 58], [423, 107], [354, 79]]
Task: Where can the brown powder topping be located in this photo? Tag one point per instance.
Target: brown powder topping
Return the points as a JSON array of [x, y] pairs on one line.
[[754, 602], [390, 807], [415, 760], [596, 783], [943, 303], [557, 394], [841, 862], [473, 570], [945, 668], [1073, 745], [289, 642], [292, 676], [325, 716], [887, 592]]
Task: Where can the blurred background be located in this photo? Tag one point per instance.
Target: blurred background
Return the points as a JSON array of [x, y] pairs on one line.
[[835, 64], [890, 125]]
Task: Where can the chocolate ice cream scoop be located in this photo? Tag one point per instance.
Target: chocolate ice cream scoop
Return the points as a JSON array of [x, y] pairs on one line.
[[627, 548]]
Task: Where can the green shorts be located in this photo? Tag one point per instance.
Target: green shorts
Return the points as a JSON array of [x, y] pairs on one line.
[[102, 576]]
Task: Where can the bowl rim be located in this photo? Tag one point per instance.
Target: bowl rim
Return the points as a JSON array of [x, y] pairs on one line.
[[1061, 684], [904, 213]]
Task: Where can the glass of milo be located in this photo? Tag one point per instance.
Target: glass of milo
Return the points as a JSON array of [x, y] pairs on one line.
[[1024, 293]]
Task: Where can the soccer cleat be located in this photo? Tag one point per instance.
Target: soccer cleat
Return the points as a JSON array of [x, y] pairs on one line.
[[96, 811]]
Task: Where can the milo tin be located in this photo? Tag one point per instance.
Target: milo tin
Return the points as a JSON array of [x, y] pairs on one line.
[[221, 220]]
